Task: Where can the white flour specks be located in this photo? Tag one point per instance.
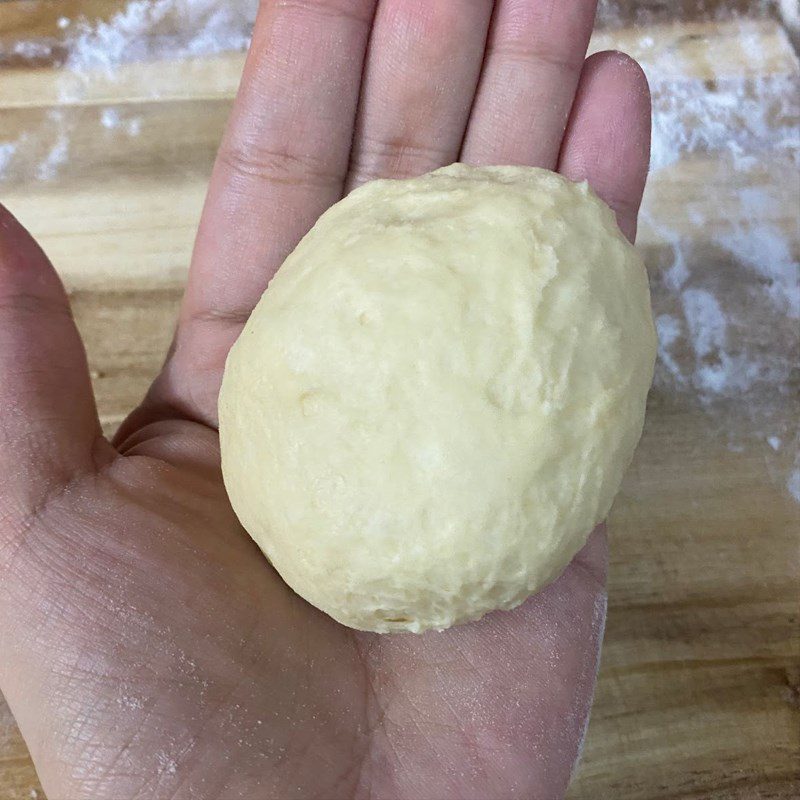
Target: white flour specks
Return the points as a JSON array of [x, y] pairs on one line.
[[793, 484], [7, 151], [148, 29], [599, 617], [32, 51], [141, 30], [132, 33], [734, 117], [676, 276], [756, 242], [716, 370], [790, 11], [223, 30], [131, 701], [732, 122], [706, 322], [56, 157], [166, 764], [104, 45], [112, 120], [669, 331], [725, 266]]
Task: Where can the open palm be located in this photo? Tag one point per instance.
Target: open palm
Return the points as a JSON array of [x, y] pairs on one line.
[[146, 647]]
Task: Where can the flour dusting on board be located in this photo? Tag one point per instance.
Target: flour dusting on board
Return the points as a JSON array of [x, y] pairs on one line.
[[715, 347], [7, 150], [141, 30], [111, 119], [217, 27], [146, 29]]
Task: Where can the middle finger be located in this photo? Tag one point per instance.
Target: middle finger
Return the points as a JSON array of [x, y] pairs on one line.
[[533, 63], [422, 69]]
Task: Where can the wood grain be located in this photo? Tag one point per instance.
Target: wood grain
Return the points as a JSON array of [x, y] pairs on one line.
[[699, 691]]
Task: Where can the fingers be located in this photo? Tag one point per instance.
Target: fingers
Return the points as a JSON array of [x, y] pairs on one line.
[[282, 163], [422, 69], [608, 137], [533, 62], [48, 422]]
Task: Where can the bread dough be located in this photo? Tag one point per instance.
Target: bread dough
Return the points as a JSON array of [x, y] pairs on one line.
[[435, 400]]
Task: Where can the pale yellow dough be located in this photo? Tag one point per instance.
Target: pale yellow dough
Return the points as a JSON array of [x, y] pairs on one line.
[[436, 399]]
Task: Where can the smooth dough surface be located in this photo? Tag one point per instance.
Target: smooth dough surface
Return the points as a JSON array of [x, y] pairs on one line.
[[435, 400]]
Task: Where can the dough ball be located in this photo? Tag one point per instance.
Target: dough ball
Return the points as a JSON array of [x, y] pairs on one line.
[[435, 400]]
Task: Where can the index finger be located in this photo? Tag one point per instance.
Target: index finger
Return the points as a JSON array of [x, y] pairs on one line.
[[282, 163]]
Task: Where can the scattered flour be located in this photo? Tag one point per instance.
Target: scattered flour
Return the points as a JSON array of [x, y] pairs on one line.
[[190, 28], [670, 331], [111, 119], [128, 35], [32, 51], [7, 151], [134, 126], [166, 764], [790, 10], [757, 243], [726, 286], [793, 484], [131, 701], [55, 158], [715, 369], [735, 117]]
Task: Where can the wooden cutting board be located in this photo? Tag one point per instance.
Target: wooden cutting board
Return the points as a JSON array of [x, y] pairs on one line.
[[699, 691]]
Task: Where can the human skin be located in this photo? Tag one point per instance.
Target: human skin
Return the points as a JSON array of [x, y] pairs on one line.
[[147, 649]]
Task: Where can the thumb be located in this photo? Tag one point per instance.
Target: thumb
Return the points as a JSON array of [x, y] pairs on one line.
[[49, 429]]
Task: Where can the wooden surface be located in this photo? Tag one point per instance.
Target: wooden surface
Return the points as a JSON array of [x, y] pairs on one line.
[[699, 691]]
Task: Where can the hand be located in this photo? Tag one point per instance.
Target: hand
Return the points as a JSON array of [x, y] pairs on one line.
[[147, 648]]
